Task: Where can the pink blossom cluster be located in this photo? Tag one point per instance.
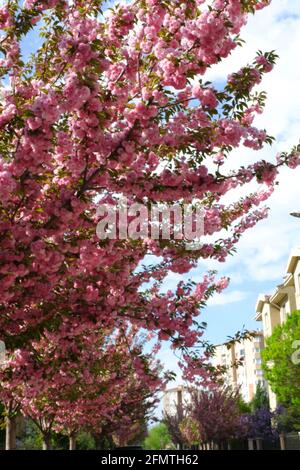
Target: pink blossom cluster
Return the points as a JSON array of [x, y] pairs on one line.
[[107, 107], [73, 379]]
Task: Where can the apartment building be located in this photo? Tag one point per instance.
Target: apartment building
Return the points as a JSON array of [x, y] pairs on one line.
[[174, 399], [243, 363], [272, 310]]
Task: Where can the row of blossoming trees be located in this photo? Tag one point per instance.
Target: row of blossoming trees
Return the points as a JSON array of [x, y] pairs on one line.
[[218, 418], [112, 104], [80, 378]]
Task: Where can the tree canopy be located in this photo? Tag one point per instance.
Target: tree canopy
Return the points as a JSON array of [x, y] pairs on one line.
[[281, 361]]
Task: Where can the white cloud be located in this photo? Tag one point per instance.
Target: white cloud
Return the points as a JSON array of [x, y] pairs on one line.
[[274, 28], [263, 251], [227, 298]]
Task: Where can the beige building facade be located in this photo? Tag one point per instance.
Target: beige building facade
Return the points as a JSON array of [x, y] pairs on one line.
[[272, 310], [174, 399], [243, 363]]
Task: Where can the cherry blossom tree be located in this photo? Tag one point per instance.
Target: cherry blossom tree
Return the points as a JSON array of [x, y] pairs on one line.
[[115, 102], [214, 415], [104, 107], [72, 379], [174, 421]]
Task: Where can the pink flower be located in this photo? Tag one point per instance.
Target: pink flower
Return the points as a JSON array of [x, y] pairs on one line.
[[34, 123], [222, 284]]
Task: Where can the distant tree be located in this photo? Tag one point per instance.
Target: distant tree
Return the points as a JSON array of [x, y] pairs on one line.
[[217, 413], [261, 423], [29, 437], [260, 399], [85, 441], [244, 407], [158, 438], [281, 364], [190, 430], [288, 419], [174, 422]]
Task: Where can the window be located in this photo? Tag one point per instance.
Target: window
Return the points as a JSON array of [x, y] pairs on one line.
[[242, 354]]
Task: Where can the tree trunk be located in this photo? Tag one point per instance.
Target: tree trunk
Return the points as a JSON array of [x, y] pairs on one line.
[[282, 438], [10, 435], [46, 442], [259, 443], [72, 442]]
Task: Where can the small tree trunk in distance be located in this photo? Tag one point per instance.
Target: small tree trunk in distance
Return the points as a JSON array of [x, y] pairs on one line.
[[46, 442], [282, 438], [259, 443], [72, 442], [10, 434]]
